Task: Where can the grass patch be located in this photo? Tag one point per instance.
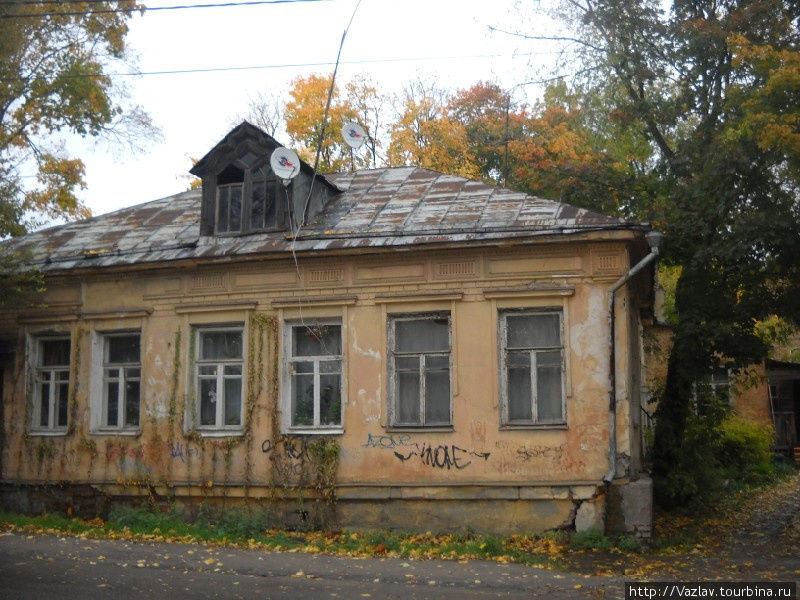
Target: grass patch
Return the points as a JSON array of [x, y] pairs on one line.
[[250, 528]]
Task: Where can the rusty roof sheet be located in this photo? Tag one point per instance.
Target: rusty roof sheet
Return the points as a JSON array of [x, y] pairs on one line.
[[389, 207]]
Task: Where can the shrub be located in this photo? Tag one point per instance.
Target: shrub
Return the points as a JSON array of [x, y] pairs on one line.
[[628, 543], [744, 444], [590, 540], [720, 451]]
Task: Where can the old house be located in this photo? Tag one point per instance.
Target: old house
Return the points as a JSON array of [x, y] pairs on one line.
[[397, 346], [767, 392]]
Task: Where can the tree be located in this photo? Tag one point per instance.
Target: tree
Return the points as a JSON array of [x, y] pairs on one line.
[[425, 134], [304, 120], [267, 111], [565, 156], [53, 80], [491, 122], [712, 87]]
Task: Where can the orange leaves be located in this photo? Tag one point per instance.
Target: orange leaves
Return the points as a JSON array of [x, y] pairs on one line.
[[304, 116], [770, 101], [56, 198]]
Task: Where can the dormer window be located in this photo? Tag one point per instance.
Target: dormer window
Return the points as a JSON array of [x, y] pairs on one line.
[[242, 195], [264, 200], [248, 199], [229, 200]]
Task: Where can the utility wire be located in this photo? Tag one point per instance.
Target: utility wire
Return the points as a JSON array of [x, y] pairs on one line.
[[325, 115], [56, 2], [365, 61], [144, 9]]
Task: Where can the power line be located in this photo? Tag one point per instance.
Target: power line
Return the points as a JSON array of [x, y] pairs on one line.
[[56, 2], [154, 8], [289, 65]]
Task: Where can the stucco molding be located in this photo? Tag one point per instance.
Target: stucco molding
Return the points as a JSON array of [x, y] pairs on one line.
[[527, 292], [205, 307], [314, 301], [401, 297]]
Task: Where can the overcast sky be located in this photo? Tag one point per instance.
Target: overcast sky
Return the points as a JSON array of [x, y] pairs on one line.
[[446, 39]]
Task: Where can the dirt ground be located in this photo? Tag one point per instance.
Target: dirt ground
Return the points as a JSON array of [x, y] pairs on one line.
[[758, 540]]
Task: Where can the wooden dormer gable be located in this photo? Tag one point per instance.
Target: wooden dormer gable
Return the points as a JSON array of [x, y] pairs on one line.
[[242, 195]]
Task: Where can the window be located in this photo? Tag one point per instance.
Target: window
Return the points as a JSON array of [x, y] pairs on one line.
[[229, 200], [121, 381], [51, 383], [314, 375], [419, 364], [714, 389], [247, 199], [532, 370], [218, 378], [263, 200]]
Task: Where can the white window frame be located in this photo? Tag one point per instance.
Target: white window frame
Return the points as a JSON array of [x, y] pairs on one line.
[[289, 359], [51, 372], [219, 418], [714, 387], [393, 411], [100, 389], [534, 422]]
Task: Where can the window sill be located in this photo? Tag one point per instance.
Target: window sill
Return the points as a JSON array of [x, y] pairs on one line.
[[420, 428], [312, 431], [116, 432], [48, 433], [215, 433], [514, 426]]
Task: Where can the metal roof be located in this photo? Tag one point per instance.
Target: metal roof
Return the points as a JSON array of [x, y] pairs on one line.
[[389, 207]]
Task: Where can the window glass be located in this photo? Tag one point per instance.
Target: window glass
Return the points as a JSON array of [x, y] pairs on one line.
[[123, 349], [258, 205], [55, 353], [44, 402], [223, 195], [132, 402], [317, 340], [422, 334], [534, 331], [235, 218], [220, 344]]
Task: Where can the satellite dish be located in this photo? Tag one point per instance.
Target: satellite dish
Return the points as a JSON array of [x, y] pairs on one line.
[[285, 164], [354, 135]]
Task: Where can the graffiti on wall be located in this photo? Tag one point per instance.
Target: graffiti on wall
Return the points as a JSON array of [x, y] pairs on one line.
[[179, 451], [387, 441], [526, 453], [436, 456], [290, 452], [443, 456]]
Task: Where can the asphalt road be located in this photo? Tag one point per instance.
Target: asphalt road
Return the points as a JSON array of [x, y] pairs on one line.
[[53, 567]]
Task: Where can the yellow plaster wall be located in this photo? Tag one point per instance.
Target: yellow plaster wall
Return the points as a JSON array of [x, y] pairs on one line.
[[471, 284]]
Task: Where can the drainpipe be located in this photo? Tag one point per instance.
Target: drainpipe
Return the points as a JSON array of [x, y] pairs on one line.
[[653, 240]]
